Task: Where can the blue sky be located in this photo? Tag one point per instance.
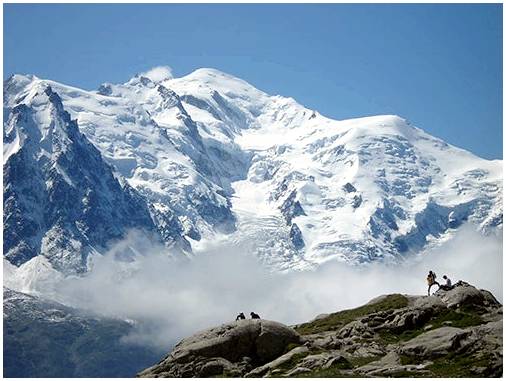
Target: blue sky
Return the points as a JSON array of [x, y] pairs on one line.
[[440, 66]]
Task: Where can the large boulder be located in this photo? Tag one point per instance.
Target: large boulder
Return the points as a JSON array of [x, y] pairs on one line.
[[287, 357], [418, 312], [232, 348], [435, 343], [463, 294]]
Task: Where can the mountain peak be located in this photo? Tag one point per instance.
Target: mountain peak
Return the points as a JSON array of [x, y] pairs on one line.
[[211, 72], [198, 147], [219, 81], [20, 78], [156, 75], [53, 97]]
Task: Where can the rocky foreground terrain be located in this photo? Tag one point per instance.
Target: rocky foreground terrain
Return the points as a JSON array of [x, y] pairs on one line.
[[456, 333]]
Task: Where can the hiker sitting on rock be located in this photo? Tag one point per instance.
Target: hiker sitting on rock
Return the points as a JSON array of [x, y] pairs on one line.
[[448, 284], [240, 317], [431, 281], [254, 316]]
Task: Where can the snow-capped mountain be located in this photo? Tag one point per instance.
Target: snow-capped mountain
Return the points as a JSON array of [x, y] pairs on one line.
[[60, 198], [208, 158]]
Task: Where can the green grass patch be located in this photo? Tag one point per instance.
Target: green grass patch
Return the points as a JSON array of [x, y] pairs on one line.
[[357, 362], [447, 317], [336, 371], [389, 337], [410, 360], [291, 346], [404, 374], [290, 364], [456, 319], [337, 320], [341, 369], [225, 375], [463, 366]]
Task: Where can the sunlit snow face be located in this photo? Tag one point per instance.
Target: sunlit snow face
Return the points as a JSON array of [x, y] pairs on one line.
[[172, 299], [246, 153]]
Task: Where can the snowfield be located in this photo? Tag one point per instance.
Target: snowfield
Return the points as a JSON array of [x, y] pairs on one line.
[[217, 161]]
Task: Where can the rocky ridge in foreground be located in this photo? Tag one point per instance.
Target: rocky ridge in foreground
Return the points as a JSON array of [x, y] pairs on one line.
[[456, 333]]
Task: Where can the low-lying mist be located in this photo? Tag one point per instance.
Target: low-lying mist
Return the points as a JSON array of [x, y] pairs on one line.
[[172, 299]]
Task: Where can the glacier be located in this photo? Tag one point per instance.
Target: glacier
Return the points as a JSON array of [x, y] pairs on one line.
[[208, 159]]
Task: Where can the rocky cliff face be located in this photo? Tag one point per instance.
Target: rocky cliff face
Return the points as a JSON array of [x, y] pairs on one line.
[[61, 199], [456, 333]]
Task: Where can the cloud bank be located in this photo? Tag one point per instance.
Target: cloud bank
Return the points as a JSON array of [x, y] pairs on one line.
[[171, 299], [158, 73]]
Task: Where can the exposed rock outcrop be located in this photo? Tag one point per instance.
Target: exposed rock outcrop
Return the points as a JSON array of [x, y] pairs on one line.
[[232, 348], [454, 333]]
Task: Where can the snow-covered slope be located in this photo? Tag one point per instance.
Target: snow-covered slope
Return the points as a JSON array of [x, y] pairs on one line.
[[220, 161], [356, 190], [60, 198], [364, 189]]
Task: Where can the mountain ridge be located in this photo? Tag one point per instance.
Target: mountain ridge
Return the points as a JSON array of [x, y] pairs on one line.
[[60, 197], [43, 338], [212, 157]]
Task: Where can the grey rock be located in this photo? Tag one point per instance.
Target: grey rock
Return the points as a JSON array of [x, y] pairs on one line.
[[327, 340], [315, 361], [217, 367], [357, 201], [390, 366], [354, 328], [485, 338], [296, 237], [291, 208], [410, 319], [419, 311], [349, 188], [261, 340], [270, 366], [370, 350], [390, 360], [428, 302], [463, 294], [435, 343], [335, 360], [297, 371], [362, 339]]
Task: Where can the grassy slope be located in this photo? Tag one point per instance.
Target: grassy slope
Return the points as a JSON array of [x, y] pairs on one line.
[[337, 320], [447, 366]]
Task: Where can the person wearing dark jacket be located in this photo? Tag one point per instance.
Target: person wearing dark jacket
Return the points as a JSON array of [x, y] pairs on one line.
[[431, 281], [254, 316], [240, 317]]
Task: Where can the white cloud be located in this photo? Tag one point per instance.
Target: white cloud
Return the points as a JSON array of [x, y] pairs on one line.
[[173, 299], [158, 73]]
